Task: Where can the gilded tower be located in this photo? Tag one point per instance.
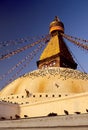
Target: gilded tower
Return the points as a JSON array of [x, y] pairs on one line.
[[56, 53]]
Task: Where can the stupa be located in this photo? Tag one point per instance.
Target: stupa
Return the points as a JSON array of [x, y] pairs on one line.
[[56, 88]]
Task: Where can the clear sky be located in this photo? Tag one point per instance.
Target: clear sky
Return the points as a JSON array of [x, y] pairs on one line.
[[22, 18]]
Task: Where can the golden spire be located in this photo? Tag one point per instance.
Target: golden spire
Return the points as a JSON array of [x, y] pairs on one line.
[[56, 52], [51, 49]]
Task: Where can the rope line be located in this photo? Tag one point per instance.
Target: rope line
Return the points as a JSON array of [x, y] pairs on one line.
[[75, 42], [30, 56], [23, 48], [79, 39], [18, 41]]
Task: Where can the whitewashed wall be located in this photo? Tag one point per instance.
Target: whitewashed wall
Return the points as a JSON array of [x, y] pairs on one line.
[[72, 104], [8, 110]]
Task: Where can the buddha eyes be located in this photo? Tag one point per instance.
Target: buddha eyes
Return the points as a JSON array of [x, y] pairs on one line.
[[50, 64]]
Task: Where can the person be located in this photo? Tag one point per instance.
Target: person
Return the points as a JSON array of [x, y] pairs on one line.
[[28, 94]]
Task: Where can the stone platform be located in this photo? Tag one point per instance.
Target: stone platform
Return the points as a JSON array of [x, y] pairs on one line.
[[68, 122]]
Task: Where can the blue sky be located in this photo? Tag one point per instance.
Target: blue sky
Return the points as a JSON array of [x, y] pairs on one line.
[[22, 18]]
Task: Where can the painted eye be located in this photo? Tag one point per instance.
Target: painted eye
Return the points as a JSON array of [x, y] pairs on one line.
[[51, 64], [54, 63], [44, 66]]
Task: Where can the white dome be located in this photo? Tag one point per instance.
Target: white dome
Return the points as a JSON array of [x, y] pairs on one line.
[[49, 80]]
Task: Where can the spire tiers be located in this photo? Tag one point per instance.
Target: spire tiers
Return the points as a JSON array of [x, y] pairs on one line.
[[56, 53]]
